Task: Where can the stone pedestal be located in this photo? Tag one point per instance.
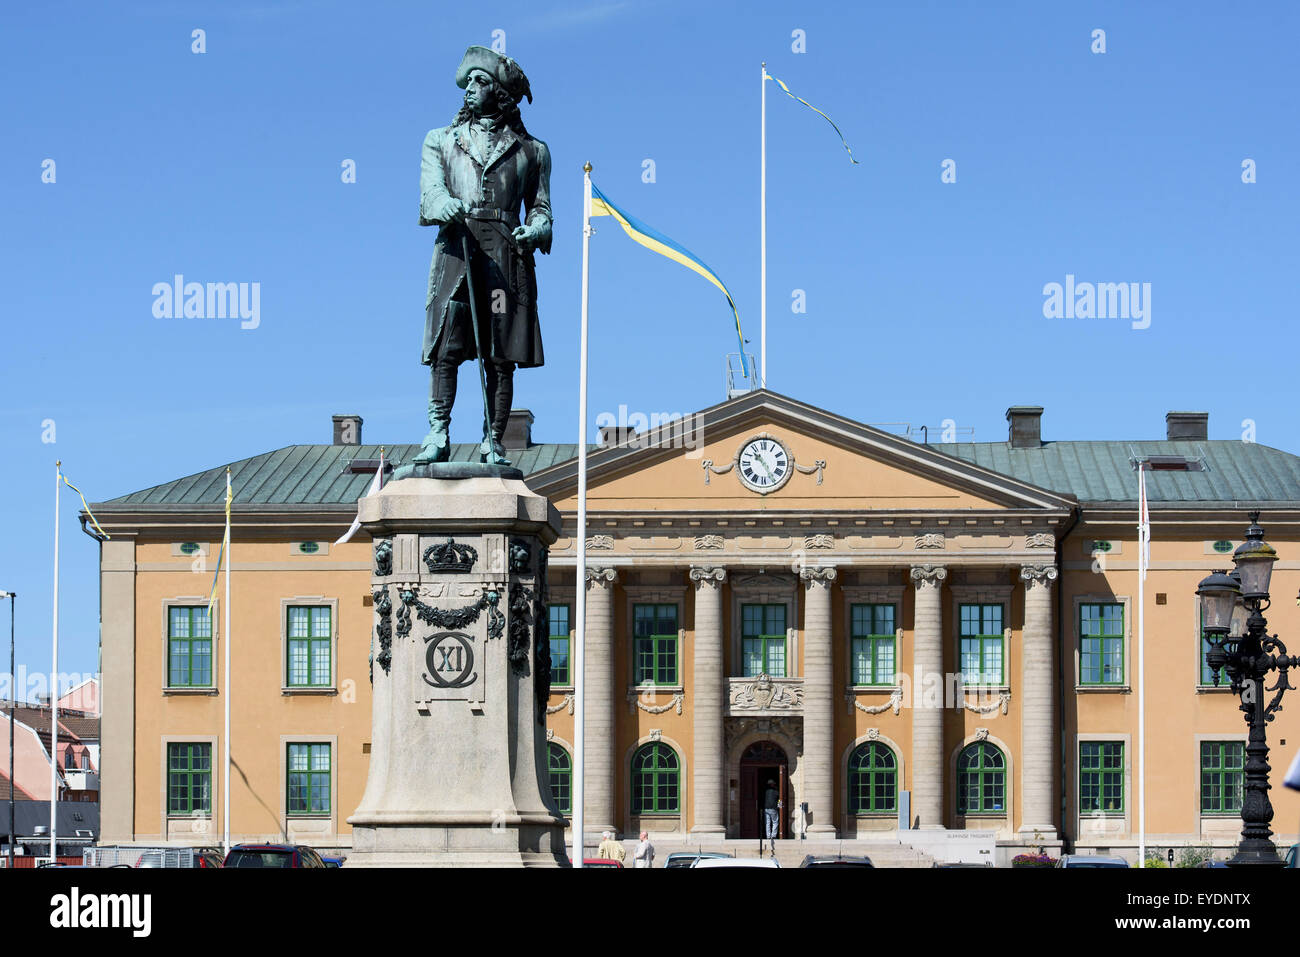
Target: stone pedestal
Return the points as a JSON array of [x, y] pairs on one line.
[[460, 670]]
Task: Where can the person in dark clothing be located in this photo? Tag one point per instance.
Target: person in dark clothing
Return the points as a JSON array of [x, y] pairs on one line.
[[771, 810]]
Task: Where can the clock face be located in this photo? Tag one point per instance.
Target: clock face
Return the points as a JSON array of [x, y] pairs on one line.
[[763, 464]]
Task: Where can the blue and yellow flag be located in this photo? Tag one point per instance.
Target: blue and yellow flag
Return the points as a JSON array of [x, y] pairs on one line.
[[221, 555], [103, 535], [815, 110], [657, 242]]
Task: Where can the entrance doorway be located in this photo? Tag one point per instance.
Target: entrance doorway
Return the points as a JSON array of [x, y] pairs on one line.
[[763, 763]]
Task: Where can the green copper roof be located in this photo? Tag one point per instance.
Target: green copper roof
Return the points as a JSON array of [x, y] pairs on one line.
[[1232, 472], [307, 475]]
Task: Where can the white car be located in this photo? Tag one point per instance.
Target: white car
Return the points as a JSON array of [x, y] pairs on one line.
[[737, 862]]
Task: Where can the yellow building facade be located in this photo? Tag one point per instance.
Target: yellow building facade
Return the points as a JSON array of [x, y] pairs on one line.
[[891, 633]]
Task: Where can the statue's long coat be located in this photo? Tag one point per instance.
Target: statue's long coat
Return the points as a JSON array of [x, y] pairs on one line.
[[517, 172]]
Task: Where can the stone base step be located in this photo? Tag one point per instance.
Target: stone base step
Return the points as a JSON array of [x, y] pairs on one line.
[[791, 852]]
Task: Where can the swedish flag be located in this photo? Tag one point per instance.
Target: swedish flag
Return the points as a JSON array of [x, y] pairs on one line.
[[657, 242]]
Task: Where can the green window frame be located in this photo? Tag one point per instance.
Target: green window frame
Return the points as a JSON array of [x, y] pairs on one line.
[[981, 779], [1223, 776], [189, 646], [1101, 643], [309, 771], [309, 646], [763, 640], [654, 650], [1206, 673], [561, 634], [189, 778], [560, 769], [874, 645], [983, 650], [1101, 777], [656, 780], [873, 779]]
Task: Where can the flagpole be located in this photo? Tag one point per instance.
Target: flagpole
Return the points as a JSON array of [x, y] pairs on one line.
[[762, 240], [225, 782], [1144, 531], [54, 677], [580, 592]]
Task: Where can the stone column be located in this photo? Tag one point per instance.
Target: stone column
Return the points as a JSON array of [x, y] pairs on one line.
[[927, 714], [707, 698], [600, 719], [1037, 694], [818, 704]]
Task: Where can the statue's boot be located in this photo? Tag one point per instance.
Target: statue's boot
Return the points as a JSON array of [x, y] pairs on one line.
[[436, 446], [500, 385]]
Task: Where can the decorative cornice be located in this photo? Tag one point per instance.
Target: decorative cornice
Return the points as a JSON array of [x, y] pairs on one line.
[[765, 694], [565, 702], [1041, 540], [818, 575], [1038, 574], [821, 540], [895, 703], [634, 697], [929, 575], [1004, 699], [601, 576], [929, 540], [600, 542], [708, 541], [707, 575]]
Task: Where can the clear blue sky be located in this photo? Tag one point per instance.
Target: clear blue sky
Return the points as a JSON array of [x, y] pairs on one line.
[[924, 299]]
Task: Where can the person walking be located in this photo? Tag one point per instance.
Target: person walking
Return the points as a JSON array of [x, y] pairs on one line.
[[644, 854], [772, 814], [610, 849]]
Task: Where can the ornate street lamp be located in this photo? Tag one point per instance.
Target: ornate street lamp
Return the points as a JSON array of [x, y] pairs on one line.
[[1247, 659]]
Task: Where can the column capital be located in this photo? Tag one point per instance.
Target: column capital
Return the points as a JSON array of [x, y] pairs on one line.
[[1038, 574], [707, 575], [931, 575], [818, 575], [601, 576]]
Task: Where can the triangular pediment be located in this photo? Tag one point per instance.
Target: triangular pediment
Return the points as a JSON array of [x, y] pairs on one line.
[[807, 460]]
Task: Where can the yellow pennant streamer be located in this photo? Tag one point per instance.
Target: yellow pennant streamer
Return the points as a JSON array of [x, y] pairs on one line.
[[815, 110], [84, 505]]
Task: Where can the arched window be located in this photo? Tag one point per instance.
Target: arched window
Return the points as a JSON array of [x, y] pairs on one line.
[[981, 780], [873, 779], [561, 772], [656, 776]]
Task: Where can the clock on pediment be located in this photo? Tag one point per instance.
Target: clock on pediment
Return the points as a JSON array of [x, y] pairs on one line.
[[763, 464]]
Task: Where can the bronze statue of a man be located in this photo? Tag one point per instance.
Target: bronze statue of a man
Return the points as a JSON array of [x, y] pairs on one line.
[[474, 177]]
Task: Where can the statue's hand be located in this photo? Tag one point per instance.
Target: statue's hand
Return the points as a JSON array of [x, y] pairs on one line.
[[527, 237], [454, 211]]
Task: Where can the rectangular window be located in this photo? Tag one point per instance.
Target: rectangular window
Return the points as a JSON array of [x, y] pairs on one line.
[[189, 779], [560, 638], [189, 647], [1207, 673], [981, 644], [655, 644], [1101, 777], [873, 644], [1223, 776], [762, 633], [309, 646], [1101, 644], [309, 779]]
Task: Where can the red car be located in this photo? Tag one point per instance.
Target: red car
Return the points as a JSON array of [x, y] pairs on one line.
[[273, 855], [601, 862]]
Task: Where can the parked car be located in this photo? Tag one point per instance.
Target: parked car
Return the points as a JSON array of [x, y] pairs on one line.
[[1292, 859], [835, 860], [980, 864], [273, 855], [688, 858], [601, 862], [737, 862], [1090, 860], [333, 861]]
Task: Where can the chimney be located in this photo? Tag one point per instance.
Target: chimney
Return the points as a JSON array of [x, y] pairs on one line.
[[612, 435], [1025, 429], [1187, 426], [519, 430], [347, 429]]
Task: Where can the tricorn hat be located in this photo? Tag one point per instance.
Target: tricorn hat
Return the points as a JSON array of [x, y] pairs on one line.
[[505, 70]]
